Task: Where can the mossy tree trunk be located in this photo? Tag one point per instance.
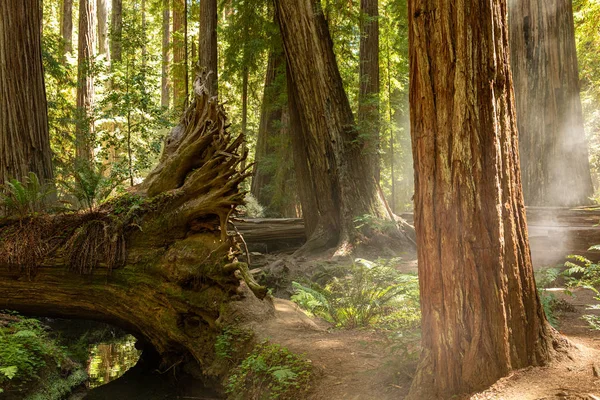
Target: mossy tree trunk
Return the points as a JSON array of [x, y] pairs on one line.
[[481, 315], [156, 261]]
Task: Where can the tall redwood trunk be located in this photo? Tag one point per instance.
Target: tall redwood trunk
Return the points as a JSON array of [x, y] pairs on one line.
[[481, 315], [554, 154], [24, 139], [166, 38], [179, 55], [208, 43], [85, 81], [102, 9], [342, 185], [368, 107], [66, 26], [116, 34], [273, 176]]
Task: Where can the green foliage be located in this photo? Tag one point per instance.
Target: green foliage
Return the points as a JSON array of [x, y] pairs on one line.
[[89, 185], [25, 349], [593, 321], [270, 372], [366, 294], [231, 341], [251, 207], [582, 272], [24, 197]]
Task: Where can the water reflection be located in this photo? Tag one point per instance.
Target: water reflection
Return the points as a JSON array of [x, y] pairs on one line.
[[108, 361]]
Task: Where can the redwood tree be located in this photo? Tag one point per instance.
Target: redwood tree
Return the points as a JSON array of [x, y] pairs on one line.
[[116, 33], [554, 155], [208, 43], [85, 80], [24, 139], [368, 107], [66, 25], [273, 176], [166, 38], [481, 315], [340, 186], [180, 71]]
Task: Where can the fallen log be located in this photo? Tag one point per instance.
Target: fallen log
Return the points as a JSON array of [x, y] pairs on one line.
[[554, 233], [136, 262]]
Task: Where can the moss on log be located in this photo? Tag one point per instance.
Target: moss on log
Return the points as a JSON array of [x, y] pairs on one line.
[[135, 262]]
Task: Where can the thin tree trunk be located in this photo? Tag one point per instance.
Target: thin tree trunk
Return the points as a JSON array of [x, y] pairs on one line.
[[66, 26], [166, 38], [244, 109], [368, 107], [85, 81], [116, 35], [208, 43], [24, 138], [481, 315], [554, 154], [102, 27], [145, 39], [179, 55], [343, 185]]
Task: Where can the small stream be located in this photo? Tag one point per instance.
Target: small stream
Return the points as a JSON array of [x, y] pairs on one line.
[[114, 374], [109, 361]]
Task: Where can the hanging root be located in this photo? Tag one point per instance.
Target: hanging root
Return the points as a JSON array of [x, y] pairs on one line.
[[23, 246], [94, 243]]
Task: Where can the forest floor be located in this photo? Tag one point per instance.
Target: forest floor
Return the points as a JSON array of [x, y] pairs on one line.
[[363, 364]]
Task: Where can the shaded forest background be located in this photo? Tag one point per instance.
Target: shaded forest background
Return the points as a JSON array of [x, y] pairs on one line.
[[144, 59]]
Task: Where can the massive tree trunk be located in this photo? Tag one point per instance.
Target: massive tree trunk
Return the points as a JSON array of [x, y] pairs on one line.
[[157, 261], [481, 315], [180, 72], [553, 149], [85, 81], [208, 43], [273, 176], [116, 34], [166, 39], [368, 107], [342, 184], [24, 139], [66, 26], [102, 6]]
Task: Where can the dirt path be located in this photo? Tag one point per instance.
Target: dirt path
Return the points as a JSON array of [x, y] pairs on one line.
[[360, 364]]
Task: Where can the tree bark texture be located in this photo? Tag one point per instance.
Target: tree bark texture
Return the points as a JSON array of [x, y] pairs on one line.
[[166, 40], [207, 48], [368, 107], [343, 187], [273, 176], [481, 315], [85, 81], [116, 34], [102, 10], [179, 55], [24, 138], [554, 155], [66, 26], [157, 261]]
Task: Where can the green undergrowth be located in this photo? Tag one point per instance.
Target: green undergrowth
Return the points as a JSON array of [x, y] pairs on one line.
[[364, 294], [32, 364], [270, 372]]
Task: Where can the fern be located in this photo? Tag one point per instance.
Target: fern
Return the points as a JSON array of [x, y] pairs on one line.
[[24, 197]]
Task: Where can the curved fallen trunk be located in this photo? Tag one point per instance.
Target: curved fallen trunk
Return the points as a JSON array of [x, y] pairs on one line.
[[156, 261]]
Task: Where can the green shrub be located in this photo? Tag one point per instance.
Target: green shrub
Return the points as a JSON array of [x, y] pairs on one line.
[[232, 341], [544, 278], [270, 372], [89, 184], [24, 197], [368, 293], [24, 350], [582, 272]]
